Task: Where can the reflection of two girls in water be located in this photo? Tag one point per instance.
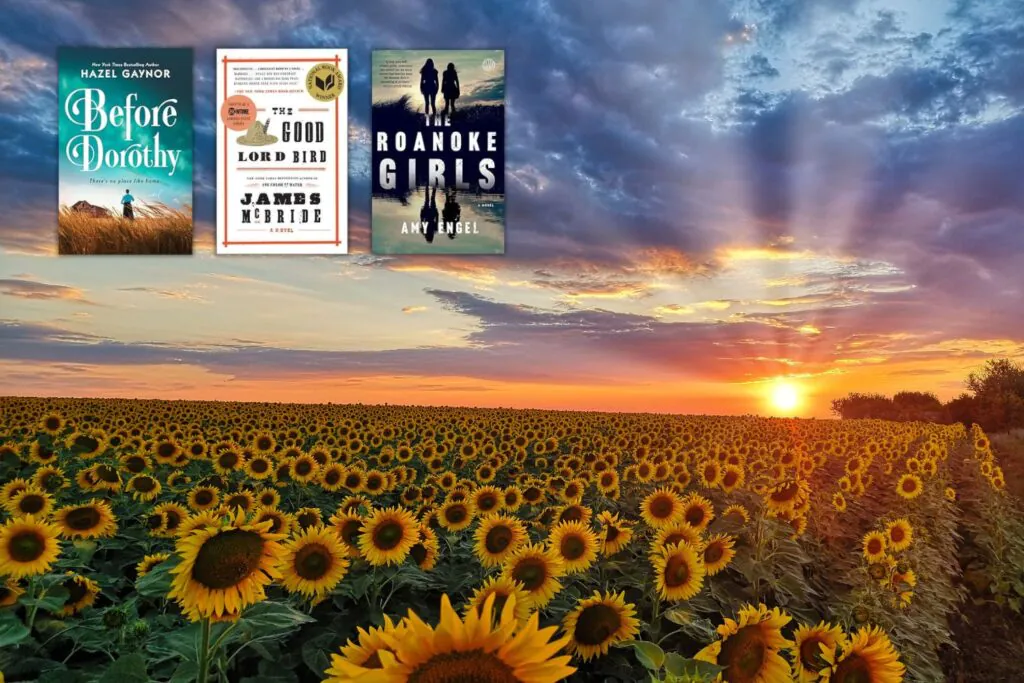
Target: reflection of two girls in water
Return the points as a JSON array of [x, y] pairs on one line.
[[450, 214], [429, 87]]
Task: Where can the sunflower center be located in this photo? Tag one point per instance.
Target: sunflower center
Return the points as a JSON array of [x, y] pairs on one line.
[[155, 521], [909, 485], [226, 559], [31, 503], [785, 493], [695, 516], [611, 534], [897, 534], [165, 450], [677, 571], [76, 591], [388, 535], [26, 546], [571, 514], [108, 474], [332, 478], [853, 669], [531, 572], [419, 553], [312, 561], [874, 546], [810, 654], [144, 484], [596, 624], [496, 609], [263, 443], [52, 423], [475, 666], [572, 547], [227, 460], [350, 531], [204, 497], [713, 553], [302, 468], [259, 466], [743, 655], [498, 539], [486, 503], [135, 464], [455, 514], [662, 508], [86, 444]]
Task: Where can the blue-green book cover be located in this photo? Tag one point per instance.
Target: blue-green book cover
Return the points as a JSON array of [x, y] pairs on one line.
[[125, 150]]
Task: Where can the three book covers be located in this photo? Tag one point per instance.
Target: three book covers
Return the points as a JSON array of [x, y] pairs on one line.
[[437, 131]]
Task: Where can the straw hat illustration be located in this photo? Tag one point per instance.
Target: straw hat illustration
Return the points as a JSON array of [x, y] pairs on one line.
[[257, 136]]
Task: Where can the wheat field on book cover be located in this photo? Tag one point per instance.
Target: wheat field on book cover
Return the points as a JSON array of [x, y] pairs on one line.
[[511, 342]]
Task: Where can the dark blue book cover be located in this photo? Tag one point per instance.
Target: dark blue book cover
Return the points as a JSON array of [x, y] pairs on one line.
[[438, 152]]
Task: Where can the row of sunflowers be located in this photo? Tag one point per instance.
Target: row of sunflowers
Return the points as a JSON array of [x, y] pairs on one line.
[[180, 541]]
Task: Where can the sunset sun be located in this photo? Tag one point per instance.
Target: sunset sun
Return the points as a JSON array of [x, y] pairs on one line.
[[784, 397]]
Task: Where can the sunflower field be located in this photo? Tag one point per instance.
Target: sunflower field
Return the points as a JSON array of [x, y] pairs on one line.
[[200, 541]]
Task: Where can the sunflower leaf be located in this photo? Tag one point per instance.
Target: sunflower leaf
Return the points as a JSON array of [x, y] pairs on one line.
[[157, 582], [12, 631], [265, 618], [51, 601], [649, 654], [127, 669]]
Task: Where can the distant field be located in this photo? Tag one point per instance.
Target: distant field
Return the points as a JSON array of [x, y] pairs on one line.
[[251, 540], [157, 229]]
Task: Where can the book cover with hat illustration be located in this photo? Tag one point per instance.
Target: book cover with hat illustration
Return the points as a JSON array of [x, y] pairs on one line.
[[125, 150], [282, 151], [438, 152]]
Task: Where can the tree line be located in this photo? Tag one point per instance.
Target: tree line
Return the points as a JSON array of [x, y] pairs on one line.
[[994, 399]]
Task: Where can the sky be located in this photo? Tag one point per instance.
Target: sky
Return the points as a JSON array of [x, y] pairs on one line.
[[704, 199]]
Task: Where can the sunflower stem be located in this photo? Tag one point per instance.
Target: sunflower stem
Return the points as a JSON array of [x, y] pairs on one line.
[[33, 584], [204, 654]]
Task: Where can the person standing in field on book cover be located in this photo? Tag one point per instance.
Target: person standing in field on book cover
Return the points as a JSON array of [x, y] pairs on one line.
[[428, 86], [126, 203], [450, 89]]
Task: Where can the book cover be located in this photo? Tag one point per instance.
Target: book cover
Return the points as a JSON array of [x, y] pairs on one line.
[[438, 152], [125, 150], [282, 151]]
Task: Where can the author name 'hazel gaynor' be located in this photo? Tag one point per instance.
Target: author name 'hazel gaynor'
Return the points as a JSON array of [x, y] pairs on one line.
[[87, 108], [440, 142]]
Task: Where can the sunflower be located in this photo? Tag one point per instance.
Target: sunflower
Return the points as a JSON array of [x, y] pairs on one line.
[[258, 466], [537, 569], [737, 513], [598, 622], [874, 546], [749, 647], [868, 656], [502, 589], [50, 479], [280, 522], [697, 511], [786, 496], [30, 501], [899, 534], [475, 649], [199, 520], [147, 563], [10, 591], [82, 592], [679, 533], [839, 501], [615, 533], [308, 517], [143, 487], [225, 569], [239, 500], [203, 498], [661, 508], [909, 486], [455, 516], [808, 642], [28, 546], [497, 537], [679, 572], [424, 551], [332, 477], [348, 526], [718, 552], [92, 519], [576, 544], [11, 489], [268, 498], [388, 535], [360, 656], [314, 562], [305, 469], [52, 423]]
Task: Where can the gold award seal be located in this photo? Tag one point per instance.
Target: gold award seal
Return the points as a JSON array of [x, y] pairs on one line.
[[325, 82]]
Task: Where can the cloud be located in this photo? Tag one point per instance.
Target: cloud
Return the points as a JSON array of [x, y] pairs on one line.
[[42, 291]]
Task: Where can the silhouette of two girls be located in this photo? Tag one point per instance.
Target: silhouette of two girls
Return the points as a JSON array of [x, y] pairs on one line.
[[449, 87]]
